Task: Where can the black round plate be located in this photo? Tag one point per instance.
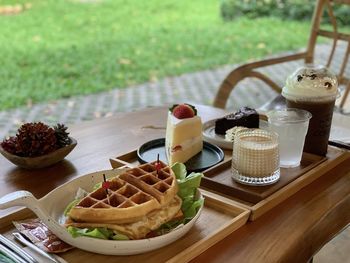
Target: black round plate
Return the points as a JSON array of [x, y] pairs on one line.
[[209, 156]]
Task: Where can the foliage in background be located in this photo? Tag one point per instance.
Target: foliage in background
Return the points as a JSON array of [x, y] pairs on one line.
[[58, 49], [285, 9]]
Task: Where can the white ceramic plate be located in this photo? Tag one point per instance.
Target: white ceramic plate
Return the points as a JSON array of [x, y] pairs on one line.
[[209, 134], [50, 210]]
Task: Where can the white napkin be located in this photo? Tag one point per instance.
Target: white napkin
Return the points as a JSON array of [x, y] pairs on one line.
[[42, 259]]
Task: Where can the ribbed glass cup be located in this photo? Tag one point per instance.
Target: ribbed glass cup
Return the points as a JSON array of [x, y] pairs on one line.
[[255, 157]]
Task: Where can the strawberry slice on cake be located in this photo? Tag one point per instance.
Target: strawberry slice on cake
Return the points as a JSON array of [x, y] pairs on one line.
[[183, 133]]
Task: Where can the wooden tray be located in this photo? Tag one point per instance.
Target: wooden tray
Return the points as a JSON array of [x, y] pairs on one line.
[[219, 218], [219, 179], [334, 157], [264, 199]]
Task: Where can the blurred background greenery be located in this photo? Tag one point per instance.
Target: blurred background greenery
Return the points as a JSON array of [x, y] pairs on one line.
[[56, 49], [284, 9]]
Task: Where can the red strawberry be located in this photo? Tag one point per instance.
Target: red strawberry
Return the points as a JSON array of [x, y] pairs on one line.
[[106, 185], [158, 166], [183, 111]]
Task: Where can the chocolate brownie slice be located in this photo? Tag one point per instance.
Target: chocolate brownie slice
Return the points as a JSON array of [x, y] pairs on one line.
[[245, 117]]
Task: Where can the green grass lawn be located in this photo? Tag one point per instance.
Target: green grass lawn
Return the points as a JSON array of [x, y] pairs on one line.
[[60, 48]]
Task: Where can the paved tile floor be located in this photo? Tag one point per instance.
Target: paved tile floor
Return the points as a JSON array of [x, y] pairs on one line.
[[198, 87]]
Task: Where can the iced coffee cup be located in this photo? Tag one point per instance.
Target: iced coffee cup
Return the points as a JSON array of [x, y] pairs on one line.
[[315, 90]]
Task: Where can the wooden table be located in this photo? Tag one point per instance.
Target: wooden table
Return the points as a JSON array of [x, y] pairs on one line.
[[291, 232]]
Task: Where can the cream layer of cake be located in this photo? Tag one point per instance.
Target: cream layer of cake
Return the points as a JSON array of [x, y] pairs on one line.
[[183, 138]]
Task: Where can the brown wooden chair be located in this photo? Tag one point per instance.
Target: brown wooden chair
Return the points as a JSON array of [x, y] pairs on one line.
[[250, 69]]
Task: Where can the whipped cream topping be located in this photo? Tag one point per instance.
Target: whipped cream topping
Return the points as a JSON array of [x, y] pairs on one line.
[[311, 82]]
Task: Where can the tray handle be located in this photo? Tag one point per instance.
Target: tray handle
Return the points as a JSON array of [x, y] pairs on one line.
[[23, 198]]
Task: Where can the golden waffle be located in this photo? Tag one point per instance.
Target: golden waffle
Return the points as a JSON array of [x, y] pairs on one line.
[[132, 195], [161, 185]]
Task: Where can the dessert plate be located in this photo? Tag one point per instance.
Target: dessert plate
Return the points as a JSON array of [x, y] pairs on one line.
[[208, 157], [210, 136], [50, 209]]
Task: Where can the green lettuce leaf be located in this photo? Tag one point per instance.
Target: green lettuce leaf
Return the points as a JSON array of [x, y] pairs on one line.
[[70, 206], [101, 233], [187, 192], [179, 170], [192, 210], [118, 236], [97, 186], [187, 189], [188, 186]]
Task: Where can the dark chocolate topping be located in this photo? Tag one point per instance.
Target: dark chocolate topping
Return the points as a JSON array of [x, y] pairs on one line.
[[313, 76], [246, 117], [328, 85]]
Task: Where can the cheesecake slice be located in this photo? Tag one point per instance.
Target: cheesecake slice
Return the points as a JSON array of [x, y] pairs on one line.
[[183, 134]]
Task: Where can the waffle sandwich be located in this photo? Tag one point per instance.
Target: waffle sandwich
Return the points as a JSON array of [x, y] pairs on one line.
[[139, 200]]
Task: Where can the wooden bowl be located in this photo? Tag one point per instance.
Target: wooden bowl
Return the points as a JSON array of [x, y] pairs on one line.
[[40, 161]]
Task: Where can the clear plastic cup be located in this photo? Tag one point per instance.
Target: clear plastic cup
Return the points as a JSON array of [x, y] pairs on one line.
[[314, 89], [291, 125], [255, 157]]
